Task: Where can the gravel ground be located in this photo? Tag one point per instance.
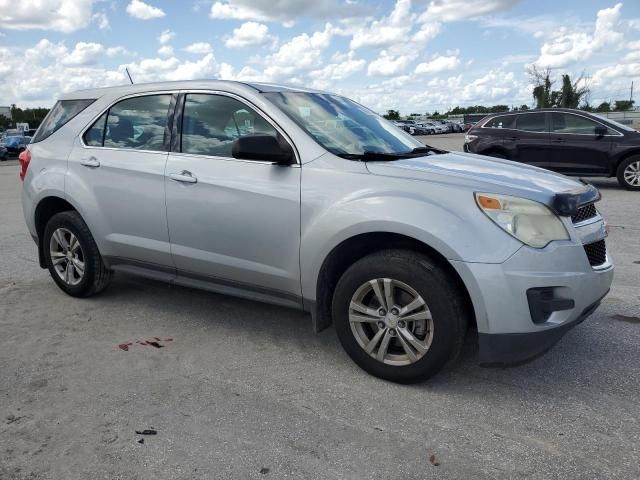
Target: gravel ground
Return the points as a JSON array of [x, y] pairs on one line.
[[245, 390]]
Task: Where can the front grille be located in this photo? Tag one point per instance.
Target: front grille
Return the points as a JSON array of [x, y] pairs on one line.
[[584, 213], [596, 253]]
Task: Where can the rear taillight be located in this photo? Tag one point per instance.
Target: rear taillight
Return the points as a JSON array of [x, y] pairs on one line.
[[25, 159]]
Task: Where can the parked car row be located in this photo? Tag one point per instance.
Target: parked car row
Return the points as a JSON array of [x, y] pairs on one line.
[[429, 127], [13, 145]]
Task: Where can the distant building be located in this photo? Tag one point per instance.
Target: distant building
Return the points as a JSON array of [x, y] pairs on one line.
[[5, 112]]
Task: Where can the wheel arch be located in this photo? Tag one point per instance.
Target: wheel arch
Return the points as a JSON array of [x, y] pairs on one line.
[[358, 246], [47, 208], [623, 156]]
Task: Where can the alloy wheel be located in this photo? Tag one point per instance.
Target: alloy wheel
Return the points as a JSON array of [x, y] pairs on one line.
[[631, 174], [391, 321], [67, 256]]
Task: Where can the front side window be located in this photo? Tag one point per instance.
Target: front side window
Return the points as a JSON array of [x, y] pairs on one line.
[[137, 122], [567, 123], [342, 126], [59, 115], [531, 122], [211, 123], [504, 121]]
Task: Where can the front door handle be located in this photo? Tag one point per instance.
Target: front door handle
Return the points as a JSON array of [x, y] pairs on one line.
[[558, 140], [513, 139], [185, 177], [92, 162]]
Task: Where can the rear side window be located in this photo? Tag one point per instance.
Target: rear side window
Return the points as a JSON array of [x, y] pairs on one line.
[[531, 122], [137, 123], [61, 113], [504, 121]]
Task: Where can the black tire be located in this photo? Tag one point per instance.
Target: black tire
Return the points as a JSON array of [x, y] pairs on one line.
[[496, 155], [96, 276], [433, 283], [620, 172]]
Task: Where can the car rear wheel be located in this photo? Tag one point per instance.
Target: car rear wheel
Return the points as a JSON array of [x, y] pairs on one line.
[[72, 256], [399, 315], [496, 155], [629, 173]]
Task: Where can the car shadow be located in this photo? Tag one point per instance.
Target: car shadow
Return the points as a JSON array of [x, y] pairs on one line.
[[574, 361]]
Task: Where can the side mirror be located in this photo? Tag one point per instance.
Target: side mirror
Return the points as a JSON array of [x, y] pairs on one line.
[[600, 131], [262, 147]]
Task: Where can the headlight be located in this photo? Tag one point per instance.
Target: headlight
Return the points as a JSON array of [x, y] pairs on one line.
[[469, 138], [530, 222]]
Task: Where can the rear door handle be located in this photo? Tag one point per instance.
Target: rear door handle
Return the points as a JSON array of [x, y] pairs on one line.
[[513, 139], [185, 177], [92, 162], [558, 140]]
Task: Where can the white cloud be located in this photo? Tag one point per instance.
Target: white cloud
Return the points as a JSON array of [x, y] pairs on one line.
[[249, 34], [635, 45], [115, 51], [165, 51], [455, 10], [386, 64], [158, 69], [286, 11], [101, 20], [438, 64], [84, 54], [568, 47], [144, 11], [200, 48], [345, 66], [59, 15], [386, 31], [300, 54], [166, 36]]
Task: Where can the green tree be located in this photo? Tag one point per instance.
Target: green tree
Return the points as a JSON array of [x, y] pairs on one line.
[[604, 107], [569, 96], [392, 115], [623, 105]]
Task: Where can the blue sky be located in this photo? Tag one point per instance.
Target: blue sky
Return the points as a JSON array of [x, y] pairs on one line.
[[417, 56]]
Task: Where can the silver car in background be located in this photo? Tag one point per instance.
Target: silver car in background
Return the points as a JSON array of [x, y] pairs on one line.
[[309, 200]]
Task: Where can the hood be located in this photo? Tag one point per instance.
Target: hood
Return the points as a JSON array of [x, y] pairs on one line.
[[482, 174]]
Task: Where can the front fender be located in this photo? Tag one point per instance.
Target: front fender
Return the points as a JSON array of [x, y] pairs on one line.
[[461, 234]]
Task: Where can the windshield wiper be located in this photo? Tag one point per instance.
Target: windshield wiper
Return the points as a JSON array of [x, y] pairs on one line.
[[428, 149], [369, 156]]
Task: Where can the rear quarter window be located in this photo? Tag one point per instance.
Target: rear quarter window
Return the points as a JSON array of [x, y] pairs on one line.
[[503, 121], [59, 115]]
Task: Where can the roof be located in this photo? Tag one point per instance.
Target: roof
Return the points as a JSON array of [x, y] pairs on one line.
[[183, 84]]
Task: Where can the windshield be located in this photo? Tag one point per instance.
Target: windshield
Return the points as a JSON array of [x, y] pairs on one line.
[[342, 126], [616, 124]]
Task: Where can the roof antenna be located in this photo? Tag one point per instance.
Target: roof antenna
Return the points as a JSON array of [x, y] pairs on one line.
[[128, 75]]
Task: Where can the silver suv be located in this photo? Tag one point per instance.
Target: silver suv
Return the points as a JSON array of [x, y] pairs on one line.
[[310, 200]]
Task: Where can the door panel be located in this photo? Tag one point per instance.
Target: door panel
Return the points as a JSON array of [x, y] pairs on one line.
[[529, 141], [231, 221], [574, 146], [121, 188]]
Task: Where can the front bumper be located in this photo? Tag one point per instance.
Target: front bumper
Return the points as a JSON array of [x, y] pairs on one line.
[[509, 329], [501, 349]]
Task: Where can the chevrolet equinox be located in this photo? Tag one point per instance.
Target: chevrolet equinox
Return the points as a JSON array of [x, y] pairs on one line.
[[310, 200]]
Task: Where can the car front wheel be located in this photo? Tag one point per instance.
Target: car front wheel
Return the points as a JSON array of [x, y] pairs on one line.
[[399, 315], [629, 173], [72, 256]]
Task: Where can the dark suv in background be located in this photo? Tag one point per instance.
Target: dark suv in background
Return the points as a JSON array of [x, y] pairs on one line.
[[572, 142]]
